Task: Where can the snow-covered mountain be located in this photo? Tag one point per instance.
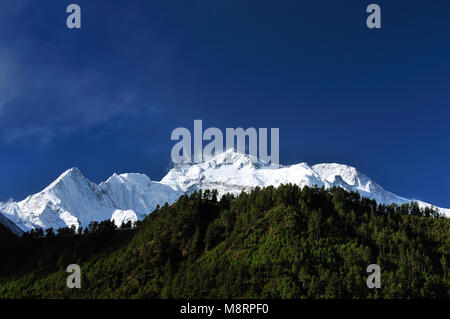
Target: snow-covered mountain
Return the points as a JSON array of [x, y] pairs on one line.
[[234, 172], [73, 200]]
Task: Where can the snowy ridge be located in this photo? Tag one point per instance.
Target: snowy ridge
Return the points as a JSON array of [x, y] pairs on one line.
[[73, 200], [233, 172]]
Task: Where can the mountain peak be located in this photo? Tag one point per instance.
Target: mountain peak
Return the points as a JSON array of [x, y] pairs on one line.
[[237, 159], [128, 178], [70, 174], [74, 171]]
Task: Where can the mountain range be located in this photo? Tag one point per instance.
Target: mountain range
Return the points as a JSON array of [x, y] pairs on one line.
[[74, 200]]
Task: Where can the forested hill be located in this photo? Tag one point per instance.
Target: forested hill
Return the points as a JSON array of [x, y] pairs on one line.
[[6, 234], [283, 242]]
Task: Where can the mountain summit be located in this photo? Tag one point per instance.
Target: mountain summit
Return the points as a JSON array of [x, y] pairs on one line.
[[73, 200]]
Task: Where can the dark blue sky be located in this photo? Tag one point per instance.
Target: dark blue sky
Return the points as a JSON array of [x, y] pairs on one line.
[[107, 97]]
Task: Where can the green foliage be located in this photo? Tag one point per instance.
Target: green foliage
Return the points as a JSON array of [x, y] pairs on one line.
[[283, 242]]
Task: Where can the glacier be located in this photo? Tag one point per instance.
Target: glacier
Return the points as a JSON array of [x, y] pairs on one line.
[[74, 200]]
